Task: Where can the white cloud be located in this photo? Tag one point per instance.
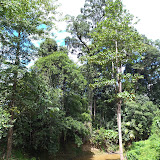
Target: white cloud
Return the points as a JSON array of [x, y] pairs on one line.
[[71, 7], [148, 12]]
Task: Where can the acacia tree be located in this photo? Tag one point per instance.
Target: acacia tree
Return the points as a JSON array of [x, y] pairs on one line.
[[20, 21], [114, 41]]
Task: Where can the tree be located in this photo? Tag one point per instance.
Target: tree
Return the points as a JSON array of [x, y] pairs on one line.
[[80, 26], [61, 73], [148, 67], [114, 41], [66, 88], [4, 122], [137, 118], [47, 47], [20, 22], [40, 122], [94, 11], [148, 149]]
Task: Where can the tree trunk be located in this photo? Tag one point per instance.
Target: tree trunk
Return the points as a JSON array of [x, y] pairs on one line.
[[13, 100], [119, 116], [119, 129], [9, 142], [10, 131], [94, 114], [119, 71], [90, 107], [91, 101]]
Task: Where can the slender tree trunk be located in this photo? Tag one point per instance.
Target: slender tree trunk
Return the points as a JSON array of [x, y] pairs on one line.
[[12, 104], [113, 70], [90, 96], [119, 122], [64, 94], [94, 114], [90, 107], [10, 131], [9, 142], [119, 103], [90, 101]]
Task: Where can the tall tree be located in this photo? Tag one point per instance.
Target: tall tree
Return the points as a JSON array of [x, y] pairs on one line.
[[80, 27], [114, 41], [20, 22], [148, 66], [66, 82]]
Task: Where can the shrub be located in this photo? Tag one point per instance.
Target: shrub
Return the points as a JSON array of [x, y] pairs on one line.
[[148, 149], [105, 139], [4, 122], [137, 118]]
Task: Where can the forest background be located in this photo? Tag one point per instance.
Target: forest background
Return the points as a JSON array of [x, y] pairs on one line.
[[57, 102]]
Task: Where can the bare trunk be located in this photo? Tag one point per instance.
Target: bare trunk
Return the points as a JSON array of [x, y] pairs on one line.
[[90, 108], [91, 101], [94, 114], [119, 71], [9, 142], [64, 94], [113, 70], [10, 131], [119, 128]]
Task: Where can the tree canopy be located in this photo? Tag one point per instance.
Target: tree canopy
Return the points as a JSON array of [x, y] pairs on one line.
[[56, 108]]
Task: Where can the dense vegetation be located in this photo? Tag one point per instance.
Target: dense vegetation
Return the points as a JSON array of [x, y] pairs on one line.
[[56, 104]]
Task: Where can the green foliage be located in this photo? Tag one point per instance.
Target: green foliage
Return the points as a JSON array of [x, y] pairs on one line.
[[148, 149], [85, 117], [148, 67], [78, 141], [50, 102], [138, 116], [21, 22], [59, 70], [81, 26], [4, 122], [75, 130], [156, 126], [105, 139], [75, 126], [47, 47], [53, 109], [20, 155], [114, 42]]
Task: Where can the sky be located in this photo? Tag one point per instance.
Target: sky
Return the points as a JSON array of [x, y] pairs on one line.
[[146, 10]]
